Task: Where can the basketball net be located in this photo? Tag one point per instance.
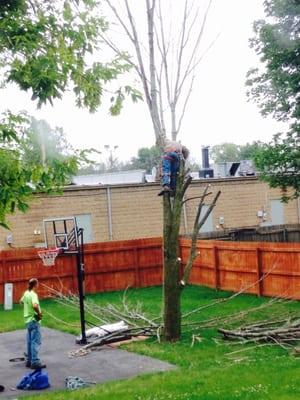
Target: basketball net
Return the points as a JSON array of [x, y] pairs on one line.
[[48, 256]]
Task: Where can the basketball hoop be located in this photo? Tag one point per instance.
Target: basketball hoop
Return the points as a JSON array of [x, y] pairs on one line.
[[48, 256]]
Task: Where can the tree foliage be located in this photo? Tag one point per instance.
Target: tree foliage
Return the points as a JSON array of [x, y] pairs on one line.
[[24, 169], [41, 144], [147, 158], [46, 48], [277, 42], [279, 163], [224, 152], [276, 89], [228, 152]]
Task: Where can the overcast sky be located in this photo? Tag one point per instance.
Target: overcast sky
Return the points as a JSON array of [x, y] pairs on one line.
[[218, 110]]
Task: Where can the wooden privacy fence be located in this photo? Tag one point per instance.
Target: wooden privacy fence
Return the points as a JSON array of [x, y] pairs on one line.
[[108, 266], [265, 269], [270, 269]]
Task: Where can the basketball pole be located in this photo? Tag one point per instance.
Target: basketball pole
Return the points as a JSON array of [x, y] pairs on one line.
[[80, 278], [68, 243]]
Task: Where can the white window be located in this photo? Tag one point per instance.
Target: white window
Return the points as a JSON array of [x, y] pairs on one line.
[[208, 225], [277, 212], [84, 221]]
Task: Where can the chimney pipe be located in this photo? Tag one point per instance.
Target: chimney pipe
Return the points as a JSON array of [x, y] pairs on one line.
[[205, 157]]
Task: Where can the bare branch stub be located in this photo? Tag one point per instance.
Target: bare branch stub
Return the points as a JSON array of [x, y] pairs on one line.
[[186, 184], [194, 198], [197, 225]]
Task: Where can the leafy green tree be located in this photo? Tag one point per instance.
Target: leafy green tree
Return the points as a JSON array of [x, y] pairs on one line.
[[193, 165], [225, 152], [279, 164], [276, 89], [248, 151], [147, 158], [45, 49], [91, 169], [112, 163], [24, 169], [42, 144]]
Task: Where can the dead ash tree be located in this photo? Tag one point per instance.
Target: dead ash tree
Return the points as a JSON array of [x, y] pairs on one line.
[[166, 42], [174, 283]]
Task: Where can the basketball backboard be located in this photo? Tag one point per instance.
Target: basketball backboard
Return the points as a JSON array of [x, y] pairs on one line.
[[61, 233]]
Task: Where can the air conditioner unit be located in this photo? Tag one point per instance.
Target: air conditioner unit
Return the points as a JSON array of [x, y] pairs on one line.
[[8, 296]]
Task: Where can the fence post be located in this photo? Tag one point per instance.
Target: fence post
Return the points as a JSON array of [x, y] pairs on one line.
[[181, 268], [2, 267], [259, 271], [216, 266], [136, 267], [72, 259]]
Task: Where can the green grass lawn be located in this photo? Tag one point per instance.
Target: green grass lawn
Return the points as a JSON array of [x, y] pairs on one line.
[[205, 370]]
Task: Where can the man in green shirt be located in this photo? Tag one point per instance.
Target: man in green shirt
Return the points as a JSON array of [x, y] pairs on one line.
[[32, 318]]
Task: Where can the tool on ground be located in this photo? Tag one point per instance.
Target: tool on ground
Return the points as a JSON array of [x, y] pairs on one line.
[[17, 359], [75, 382]]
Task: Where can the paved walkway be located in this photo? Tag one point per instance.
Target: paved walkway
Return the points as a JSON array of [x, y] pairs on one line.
[[98, 366]]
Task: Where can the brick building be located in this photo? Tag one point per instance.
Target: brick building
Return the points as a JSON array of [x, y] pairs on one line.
[[130, 211]]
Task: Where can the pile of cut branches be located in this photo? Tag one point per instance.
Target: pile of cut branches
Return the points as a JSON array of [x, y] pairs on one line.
[[282, 327], [284, 332], [136, 322]]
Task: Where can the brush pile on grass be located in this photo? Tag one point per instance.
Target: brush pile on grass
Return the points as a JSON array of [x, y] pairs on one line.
[[278, 328], [132, 319], [285, 333]]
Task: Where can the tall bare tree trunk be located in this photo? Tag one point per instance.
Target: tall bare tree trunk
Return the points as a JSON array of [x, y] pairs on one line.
[[174, 280], [166, 66], [172, 288]]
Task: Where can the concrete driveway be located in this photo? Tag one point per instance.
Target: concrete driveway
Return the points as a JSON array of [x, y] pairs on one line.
[[104, 365]]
